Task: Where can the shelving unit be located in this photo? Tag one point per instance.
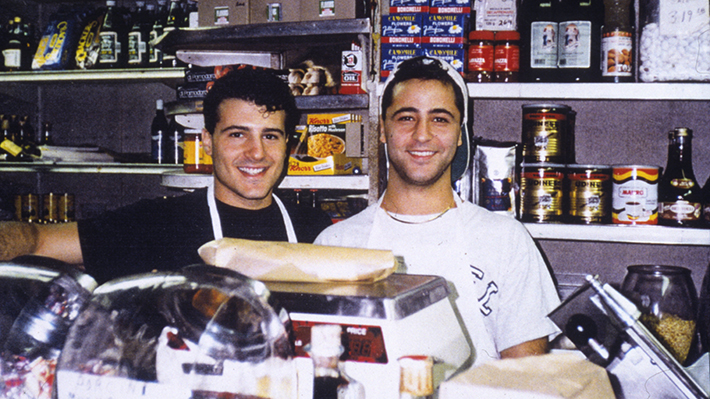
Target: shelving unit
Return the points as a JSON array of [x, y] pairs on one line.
[[192, 181], [113, 108], [623, 123], [169, 75]]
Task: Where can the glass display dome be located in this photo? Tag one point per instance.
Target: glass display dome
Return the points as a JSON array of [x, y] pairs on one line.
[[201, 332]]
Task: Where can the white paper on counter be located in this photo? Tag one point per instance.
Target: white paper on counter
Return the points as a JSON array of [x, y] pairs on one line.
[[283, 261], [535, 377]]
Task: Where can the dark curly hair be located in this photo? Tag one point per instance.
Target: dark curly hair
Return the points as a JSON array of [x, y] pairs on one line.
[[258, 85]]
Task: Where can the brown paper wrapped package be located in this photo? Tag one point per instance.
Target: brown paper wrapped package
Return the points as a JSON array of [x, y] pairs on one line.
[[283, 261], [535, 377]]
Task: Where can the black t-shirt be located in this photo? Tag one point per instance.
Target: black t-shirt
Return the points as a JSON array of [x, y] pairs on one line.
[[165, 233]]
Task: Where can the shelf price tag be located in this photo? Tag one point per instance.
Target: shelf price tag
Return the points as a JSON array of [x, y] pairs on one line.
[[683, 17]]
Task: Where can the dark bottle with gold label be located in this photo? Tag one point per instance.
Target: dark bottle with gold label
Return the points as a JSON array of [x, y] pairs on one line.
[[113, 37], [680, 198]]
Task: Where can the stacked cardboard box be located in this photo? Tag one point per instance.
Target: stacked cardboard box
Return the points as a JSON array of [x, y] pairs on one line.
[[436, 28], [243, 12]]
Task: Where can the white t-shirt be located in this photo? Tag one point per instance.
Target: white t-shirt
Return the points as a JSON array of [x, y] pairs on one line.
[[500, 283]]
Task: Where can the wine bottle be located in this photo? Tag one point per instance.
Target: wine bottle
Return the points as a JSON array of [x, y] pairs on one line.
[[174, 152], [159, 131], [538, 25], [26, 138], [155, 55], [579, 40], [9, 145], [174, 20], [113, 38], [138, 38], [46, 137], [12, 52], [679, 194]]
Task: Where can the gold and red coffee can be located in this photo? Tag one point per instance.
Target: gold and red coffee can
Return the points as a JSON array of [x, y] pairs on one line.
[[542, 192], [589, 190], [635, 194]]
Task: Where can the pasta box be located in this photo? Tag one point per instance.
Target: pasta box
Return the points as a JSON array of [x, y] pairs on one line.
[[330, 144]]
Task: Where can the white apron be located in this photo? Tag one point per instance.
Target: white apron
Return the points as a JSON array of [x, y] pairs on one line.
[[217, 223]]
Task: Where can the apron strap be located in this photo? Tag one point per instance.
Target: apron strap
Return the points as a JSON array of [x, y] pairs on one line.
[[217, 223]]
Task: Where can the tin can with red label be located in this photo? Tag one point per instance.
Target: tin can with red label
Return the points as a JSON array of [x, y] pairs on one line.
[[542, 192], [589, 194], [635, 194], [351, 72]]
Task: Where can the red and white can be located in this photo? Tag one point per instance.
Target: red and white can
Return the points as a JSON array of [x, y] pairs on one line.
[[635, 194], [351, 72]]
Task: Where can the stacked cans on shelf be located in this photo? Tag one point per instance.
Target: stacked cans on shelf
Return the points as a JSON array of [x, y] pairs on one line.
[[45, 208], [554, 188]]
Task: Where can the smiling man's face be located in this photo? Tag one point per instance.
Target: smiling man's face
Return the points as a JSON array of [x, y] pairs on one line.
[[422, 129], [248, 150]]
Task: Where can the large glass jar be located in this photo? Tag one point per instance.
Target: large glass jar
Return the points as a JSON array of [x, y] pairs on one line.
[[668, 301], [675, 41]]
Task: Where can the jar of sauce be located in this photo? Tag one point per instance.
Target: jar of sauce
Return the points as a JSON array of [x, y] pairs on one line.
[[196, 160], [480, 56], [506, 63]]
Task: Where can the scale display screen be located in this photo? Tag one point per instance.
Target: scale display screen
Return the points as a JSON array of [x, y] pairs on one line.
[[361, 343]]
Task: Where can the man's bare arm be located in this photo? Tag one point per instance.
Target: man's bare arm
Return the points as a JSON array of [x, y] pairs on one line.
[[57, 241], [535, 347]]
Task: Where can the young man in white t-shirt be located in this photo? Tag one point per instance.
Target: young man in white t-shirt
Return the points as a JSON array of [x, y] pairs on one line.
[[500, 284]]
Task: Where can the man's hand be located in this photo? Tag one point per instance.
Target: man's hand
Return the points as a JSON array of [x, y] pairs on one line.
[[535, 347]]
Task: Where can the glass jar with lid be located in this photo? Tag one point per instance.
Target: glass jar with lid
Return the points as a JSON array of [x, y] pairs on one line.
[[668, 301], [674, 41]]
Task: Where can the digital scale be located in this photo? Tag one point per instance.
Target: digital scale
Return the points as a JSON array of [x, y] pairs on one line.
[[399, 316]]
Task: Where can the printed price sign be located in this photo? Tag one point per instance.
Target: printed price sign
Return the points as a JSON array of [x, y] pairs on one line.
[[77, 385], [683, 17], [495, 15]]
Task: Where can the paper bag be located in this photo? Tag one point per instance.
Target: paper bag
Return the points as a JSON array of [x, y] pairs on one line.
[[283, 261], [535, 377]]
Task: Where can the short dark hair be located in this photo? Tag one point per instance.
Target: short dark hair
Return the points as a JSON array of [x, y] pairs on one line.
[[253, 84], [424, 68]]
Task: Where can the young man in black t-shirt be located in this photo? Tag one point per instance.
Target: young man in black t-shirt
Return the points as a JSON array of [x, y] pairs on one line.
[[249, 114]]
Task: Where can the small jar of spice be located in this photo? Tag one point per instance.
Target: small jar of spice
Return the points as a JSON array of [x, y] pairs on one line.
[[507, 56], [480, 56]]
